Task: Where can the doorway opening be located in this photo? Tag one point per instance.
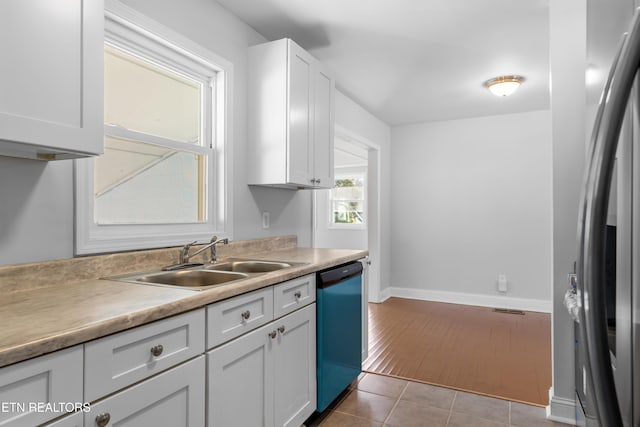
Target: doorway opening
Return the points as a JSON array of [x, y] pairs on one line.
[[348, 216]]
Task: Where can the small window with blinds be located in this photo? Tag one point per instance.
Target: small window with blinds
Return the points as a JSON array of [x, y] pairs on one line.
[[348, 203]]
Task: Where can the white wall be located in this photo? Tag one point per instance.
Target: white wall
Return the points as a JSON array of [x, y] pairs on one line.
[[36, 210], [471, 199]]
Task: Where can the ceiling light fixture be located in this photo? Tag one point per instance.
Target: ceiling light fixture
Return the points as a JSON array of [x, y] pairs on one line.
[[504, 85]]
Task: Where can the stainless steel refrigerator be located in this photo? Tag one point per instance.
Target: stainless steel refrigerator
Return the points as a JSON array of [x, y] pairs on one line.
[[608, 332]]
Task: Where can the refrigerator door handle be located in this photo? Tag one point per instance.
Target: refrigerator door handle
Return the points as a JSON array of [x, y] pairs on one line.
[[592, 224]]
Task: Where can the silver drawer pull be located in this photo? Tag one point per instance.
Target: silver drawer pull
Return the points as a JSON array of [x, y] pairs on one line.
[[246, 314], [281, 329], [103, 419], [157, 350], [272, 334], [298, 294]]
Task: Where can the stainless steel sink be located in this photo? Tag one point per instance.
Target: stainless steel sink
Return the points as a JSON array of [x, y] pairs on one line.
[[209, 276], [192, 279], [249, 266]]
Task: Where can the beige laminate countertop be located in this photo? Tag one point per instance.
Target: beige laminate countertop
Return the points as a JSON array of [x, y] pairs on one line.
[[39, 321]]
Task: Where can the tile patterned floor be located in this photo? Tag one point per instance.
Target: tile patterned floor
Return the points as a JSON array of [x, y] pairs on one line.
[[376, 401]]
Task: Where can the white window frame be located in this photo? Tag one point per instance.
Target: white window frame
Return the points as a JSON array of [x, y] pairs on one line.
[[342, 173], [132, 31]]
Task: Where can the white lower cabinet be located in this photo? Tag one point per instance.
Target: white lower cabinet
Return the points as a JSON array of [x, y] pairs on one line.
[[265, 377], [40, 389], [260, 372], [239, 381], [294, 367], [173, 398]]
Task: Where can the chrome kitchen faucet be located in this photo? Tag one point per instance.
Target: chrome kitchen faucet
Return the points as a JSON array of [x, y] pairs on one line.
[[184, 254]]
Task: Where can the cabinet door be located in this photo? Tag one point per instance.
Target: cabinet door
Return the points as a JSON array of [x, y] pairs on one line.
[[73, 420], [295, 367], [240, 381], [26, 388], [51, 90], [174, 398], [323, 129], [300, 116]]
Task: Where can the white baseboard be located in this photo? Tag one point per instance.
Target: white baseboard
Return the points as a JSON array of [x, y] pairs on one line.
[[542, 306], [561, 409], [384, 295]]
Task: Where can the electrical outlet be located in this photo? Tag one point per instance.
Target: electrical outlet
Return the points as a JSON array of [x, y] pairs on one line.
[[265, 219], [502, 283]]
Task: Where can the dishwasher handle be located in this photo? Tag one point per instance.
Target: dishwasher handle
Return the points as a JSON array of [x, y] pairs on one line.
[[338, 274]]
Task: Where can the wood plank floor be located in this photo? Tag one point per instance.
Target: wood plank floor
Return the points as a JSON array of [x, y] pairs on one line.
[[463, 347]]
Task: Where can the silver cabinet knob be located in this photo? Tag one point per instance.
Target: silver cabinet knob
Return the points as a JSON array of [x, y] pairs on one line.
[[272, 334], [297, 294], [318, 181], [281, 329], [246, 314], [157, 350], [103, 419]]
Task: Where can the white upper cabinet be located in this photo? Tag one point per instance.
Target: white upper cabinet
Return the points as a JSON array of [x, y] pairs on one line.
[[323, 129], [290, 117], [51, 89]]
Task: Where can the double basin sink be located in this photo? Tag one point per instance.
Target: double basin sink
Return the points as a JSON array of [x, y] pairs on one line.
[[207, 276]]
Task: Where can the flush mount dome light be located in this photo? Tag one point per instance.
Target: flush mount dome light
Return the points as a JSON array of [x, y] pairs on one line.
[[504, 85]]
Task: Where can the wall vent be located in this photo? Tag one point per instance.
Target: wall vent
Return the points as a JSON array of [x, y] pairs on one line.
[[508, 311]]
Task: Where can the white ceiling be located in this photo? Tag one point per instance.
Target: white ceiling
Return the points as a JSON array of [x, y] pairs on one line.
[[409, 61]]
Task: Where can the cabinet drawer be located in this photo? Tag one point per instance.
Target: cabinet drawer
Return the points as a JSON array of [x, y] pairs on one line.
[[290, 296], [116, 361], [54, 378], [233, 317], [174, 398]]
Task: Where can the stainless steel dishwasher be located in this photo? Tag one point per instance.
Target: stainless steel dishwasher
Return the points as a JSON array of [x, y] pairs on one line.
[[339, 330]]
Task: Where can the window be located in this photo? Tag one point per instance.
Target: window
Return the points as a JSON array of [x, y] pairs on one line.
[[162, 179], [156, 149], [348, 204]]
